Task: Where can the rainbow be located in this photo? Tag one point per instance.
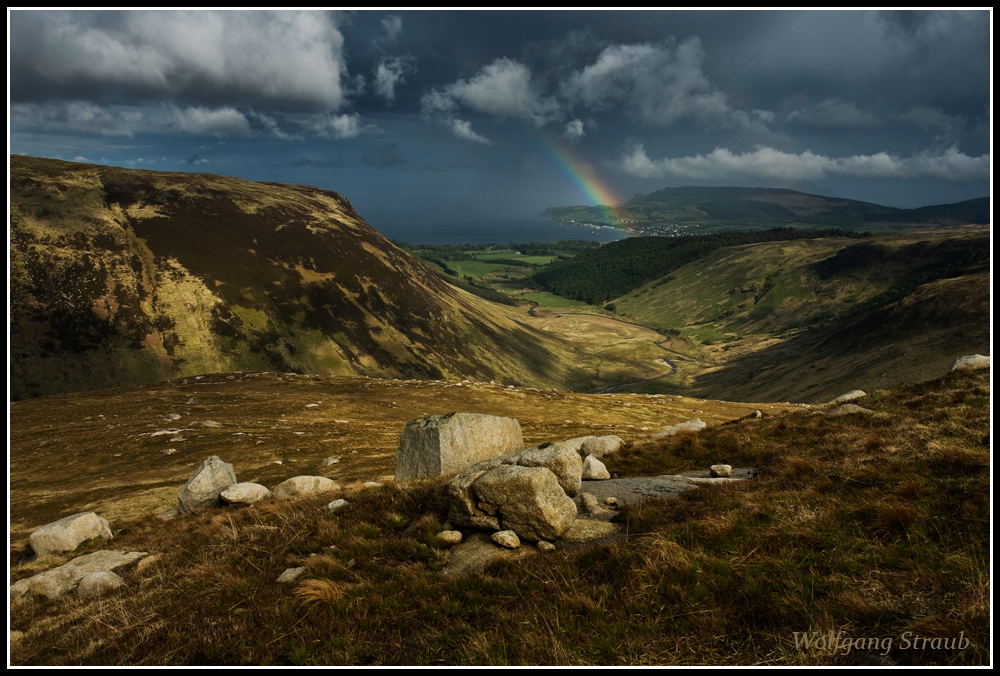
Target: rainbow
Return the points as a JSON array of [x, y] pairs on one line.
[[580, 174]]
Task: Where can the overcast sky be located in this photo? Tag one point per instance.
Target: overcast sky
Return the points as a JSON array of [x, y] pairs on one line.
[[442, 115]]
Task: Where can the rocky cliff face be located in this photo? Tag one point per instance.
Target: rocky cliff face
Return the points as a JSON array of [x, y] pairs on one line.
[[122, 277]]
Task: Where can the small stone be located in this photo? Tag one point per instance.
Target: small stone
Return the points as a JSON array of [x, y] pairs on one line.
[[338, 505], [594, 469], [168, 451], [611, 502], [721, 470], [372, 484], [328, 461], [291, 575], [172, 416], [850, 396], [545, 546], [312, 405], [694, 425], [450, 537], [506, 538]]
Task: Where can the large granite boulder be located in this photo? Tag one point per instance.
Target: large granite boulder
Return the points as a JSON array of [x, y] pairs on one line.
[[68, 533], [600, 447], [206, 483], [526, 500], [443, 444]]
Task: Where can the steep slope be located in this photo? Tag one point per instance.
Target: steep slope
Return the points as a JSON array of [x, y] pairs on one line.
[[121, 277]]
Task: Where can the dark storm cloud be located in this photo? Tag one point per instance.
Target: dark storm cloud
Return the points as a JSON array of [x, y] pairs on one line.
[[292, 59], [384, 157]]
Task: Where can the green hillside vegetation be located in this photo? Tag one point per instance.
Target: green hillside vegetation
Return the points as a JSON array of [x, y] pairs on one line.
[[619, 267], [802, 320], [872, 526]]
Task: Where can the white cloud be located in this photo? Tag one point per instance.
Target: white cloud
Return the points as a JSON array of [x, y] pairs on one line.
[[390, 72], [199, 57], [392, 24], [337, 126], [658, 84], [833, 113], [503, 88], [769, 163], [463, 129], [85, 117], [573, 130]]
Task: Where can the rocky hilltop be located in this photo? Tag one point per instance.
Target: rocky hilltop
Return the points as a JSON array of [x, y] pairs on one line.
[[122, 277]]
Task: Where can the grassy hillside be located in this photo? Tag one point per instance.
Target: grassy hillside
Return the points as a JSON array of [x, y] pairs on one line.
[[122, 277], [870, 527], [801, 320]]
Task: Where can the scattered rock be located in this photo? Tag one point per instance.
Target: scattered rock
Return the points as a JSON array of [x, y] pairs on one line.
[[328, 461], [338, 505], [721, 470], [971, 362], [291, 575], [611, 501], [371, 484], [450, 537], [304, 485], [206, 483], [244, 493], [98, 584], [211, 423], [600, 447], [68, 533], [443, 444], [695, 425], [64, 579], [172, 416], [850, 396], [506, 538], [588, 503], [545, 546], [594, 469], [848, 409], [168, 451], [312, 405]]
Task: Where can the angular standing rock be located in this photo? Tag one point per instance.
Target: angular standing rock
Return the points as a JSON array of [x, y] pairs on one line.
[[443, 444], [206, 483], [66, 534], [720, 470]]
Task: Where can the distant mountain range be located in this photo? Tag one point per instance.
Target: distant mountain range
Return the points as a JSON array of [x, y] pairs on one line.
[[677, 210]]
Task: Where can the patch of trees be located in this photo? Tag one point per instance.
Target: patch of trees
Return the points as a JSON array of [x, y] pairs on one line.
[[619, 267]]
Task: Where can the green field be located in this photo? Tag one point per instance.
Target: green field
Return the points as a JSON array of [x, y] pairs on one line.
[[510, 255], [550, 300], [476, 268]]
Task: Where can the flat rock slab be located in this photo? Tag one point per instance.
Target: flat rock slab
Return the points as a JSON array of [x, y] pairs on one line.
[[64, 579], [477, 552], [635, 489], [587, 530]]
